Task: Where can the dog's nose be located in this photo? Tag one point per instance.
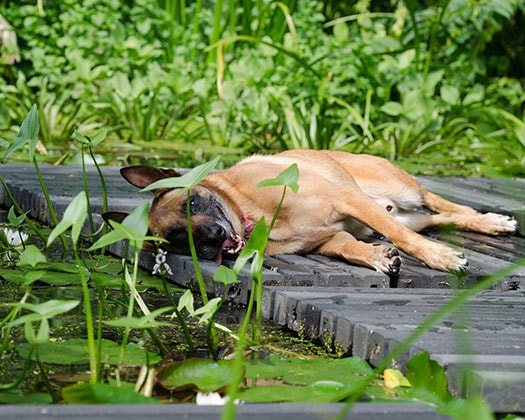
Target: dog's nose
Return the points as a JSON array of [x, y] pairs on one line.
[[216, 231]]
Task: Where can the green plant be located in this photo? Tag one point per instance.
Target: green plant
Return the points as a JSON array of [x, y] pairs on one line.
[[401, 80], [90, 143], [28, 134], [134, 229], [73, 219]]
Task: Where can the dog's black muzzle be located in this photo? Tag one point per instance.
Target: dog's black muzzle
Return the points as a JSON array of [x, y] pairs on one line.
[[208, 239]]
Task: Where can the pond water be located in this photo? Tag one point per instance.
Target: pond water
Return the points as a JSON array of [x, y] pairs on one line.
[[61, 362]]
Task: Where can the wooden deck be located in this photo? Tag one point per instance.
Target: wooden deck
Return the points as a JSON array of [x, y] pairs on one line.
[[362, 312]]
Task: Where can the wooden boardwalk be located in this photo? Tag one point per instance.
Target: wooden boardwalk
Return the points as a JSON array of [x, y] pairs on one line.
[[357, 310]]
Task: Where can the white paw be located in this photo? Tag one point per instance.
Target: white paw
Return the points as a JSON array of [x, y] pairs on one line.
[[445, 258], [498, 223]]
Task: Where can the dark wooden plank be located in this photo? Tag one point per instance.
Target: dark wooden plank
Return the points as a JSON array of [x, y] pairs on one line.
[[496, 195], [289, 411], [369, 323], [332, 272], [506, 196]]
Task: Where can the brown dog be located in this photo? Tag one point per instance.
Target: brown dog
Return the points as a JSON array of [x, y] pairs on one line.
[[342, 198]]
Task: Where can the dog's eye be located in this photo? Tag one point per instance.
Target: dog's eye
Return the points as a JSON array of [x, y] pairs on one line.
[[193, 203]]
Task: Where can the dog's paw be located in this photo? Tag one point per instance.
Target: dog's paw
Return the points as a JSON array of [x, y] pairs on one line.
[[445, 258], [387, 260], [497, 224]]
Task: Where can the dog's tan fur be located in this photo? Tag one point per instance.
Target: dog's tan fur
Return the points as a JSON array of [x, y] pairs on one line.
[[342, 197]]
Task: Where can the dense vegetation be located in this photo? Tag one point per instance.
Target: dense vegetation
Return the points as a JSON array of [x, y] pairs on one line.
[[439, 84]]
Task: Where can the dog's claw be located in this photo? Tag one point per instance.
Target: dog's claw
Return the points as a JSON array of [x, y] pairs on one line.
[[395, 261], [388, 260], [462, 264]]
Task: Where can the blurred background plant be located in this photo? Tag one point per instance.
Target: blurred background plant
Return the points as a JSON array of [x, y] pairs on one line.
[[436, 86]]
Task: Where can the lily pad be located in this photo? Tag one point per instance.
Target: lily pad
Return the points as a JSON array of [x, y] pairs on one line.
[[56, 273], [318, 392], [104, 394], [198, 374], [14, 396], [75, 351], [307, 371]]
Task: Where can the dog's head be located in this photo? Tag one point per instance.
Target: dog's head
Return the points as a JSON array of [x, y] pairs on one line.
[[217, 224]]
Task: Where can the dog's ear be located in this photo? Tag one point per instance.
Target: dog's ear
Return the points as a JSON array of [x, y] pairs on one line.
[[117, 216], [142, 175]]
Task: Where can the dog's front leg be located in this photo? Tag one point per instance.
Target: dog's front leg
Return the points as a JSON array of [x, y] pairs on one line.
[[379, 257]]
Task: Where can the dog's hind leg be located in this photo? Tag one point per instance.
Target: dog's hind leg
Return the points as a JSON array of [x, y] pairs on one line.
[[379, 257], [466, 218], [434, 254]]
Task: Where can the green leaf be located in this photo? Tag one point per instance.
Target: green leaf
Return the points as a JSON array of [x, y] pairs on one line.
[[341, 32], [199, 374], [30, 277], [75, 351], [312, 380], [31, 256], [392, 108], [104, 394], [450, 94], [138, 219], [428, 380], [474, 95], [318, 392], [98, 138], [126, 232], [225, 276], [55, 273], [91, 141], [208, 310], [406, 59], [186, 302], [15, 220], [147, 321], [254, 248], [186, 181], [433, 78], [80, 138], [41, 337], [472, 409], [307, 371], [14, 396], [40, 311], [109, 238], [288, 178], [133, 227], [73, 218], [28, 133]]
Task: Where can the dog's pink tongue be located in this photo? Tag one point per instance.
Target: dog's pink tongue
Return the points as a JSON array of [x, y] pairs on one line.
[[218, 257]]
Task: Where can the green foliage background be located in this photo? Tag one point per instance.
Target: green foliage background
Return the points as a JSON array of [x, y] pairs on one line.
[[437, 86]]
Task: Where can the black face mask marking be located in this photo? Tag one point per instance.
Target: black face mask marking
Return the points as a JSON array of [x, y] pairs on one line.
[[210, 225]]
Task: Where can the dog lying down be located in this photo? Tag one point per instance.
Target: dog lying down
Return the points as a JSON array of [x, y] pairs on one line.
[[342, 199]]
